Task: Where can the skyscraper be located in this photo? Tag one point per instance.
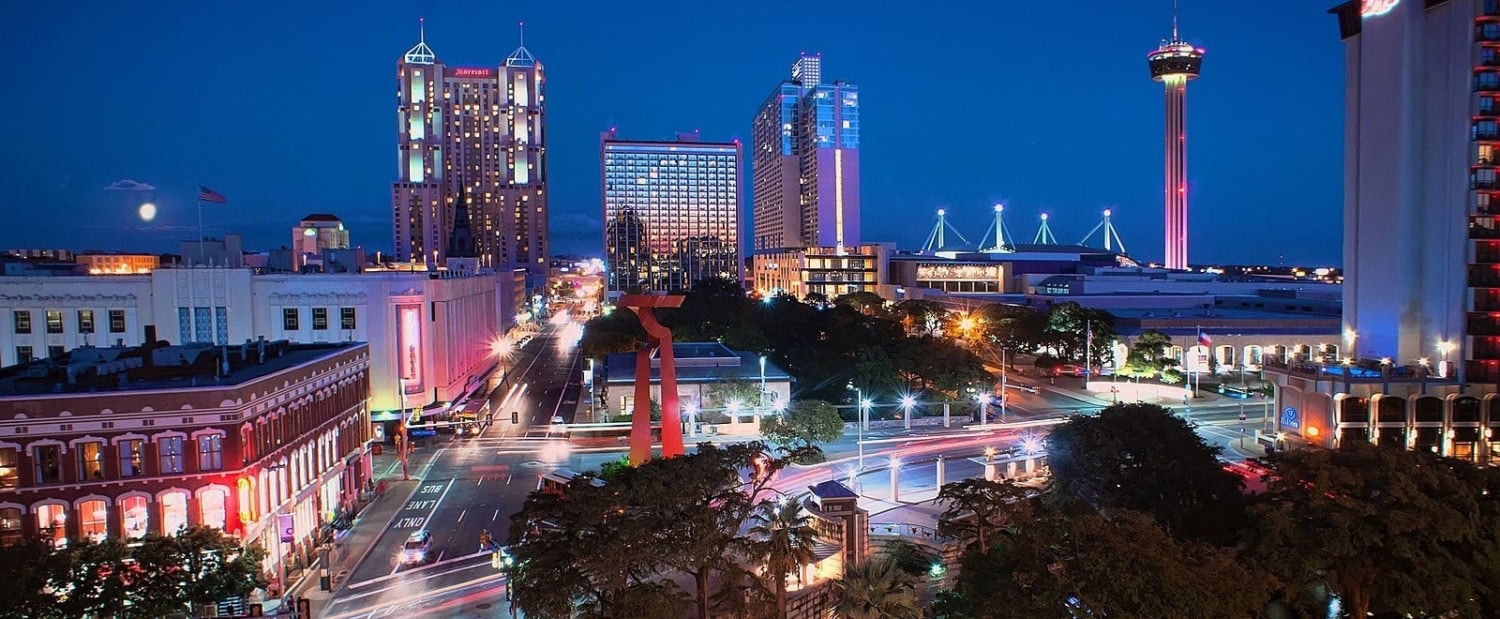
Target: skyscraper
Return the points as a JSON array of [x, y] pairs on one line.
[[472, 139], [1173, 64], [1421, 195], [805, 143], [671, 212]]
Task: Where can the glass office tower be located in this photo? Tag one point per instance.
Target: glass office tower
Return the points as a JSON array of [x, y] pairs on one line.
[[671, 212]]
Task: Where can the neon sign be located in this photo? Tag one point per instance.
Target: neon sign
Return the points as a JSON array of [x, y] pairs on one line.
[[472, 72], [1376, 8]]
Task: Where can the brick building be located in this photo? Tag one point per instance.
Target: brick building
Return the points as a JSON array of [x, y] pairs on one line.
[[121, 442]]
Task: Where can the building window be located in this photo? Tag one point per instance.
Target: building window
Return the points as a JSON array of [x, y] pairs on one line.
[[116, 321], [289, 319], [170, 451], [54, 352], [23, 354], [10, 468], [10, 526], [134, 517], [346, 318], [54, 321], [320, 318], [48, 460], [174, 512], [211, 503], [130, 458], [93, 520], [85, 321], [211, 452], [52, 523], [90, 461], [23, 321]]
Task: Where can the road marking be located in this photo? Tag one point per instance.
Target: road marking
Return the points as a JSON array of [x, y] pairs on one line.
[[419, 504], [496, 516], [461, 515], [411, 522], [481, 482], [431, 488], [418, 522]]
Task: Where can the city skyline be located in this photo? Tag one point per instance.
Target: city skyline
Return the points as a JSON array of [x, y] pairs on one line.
[[1017, 131]]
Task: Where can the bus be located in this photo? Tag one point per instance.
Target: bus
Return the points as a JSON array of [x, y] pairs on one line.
[[557, 481], [473, 418]]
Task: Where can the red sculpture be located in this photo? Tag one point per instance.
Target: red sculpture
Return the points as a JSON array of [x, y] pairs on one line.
[[658, 338]]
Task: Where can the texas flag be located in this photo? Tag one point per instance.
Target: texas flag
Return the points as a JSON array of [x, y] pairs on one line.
[[1204, 340]]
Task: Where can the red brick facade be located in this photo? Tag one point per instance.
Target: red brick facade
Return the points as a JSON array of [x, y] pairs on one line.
[[125, 463]]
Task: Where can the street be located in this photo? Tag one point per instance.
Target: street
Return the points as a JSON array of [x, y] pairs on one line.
[[470, 485]]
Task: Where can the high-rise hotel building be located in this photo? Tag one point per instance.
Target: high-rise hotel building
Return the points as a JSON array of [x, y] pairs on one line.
[[472, 139], [671, 212], [805, 143], [1421, 296]]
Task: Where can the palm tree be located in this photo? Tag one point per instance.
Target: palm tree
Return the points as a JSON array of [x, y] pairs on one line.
[[876, 590], [782, 536]]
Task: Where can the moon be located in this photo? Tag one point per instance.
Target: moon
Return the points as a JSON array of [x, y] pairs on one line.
[[147, 211]]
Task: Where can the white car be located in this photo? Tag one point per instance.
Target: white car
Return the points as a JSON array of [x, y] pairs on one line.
[[417, 545]]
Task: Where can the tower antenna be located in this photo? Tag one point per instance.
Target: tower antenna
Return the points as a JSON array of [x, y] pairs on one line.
[[522, 26], [422, 29], [1174, 21]]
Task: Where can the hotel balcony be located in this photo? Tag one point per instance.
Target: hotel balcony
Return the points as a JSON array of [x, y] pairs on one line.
[[1484, 276], [1362, 371]]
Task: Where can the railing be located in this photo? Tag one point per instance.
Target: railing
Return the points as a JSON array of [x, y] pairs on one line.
[[901, 529]]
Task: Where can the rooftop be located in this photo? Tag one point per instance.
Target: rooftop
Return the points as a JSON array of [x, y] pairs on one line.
[[321, 217], [697, 362], [112, 370]]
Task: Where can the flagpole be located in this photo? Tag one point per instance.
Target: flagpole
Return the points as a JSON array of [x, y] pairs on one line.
[[200, 225]]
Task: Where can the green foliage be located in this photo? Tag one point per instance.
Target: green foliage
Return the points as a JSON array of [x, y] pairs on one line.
[[876, 589], [164, 575], [1068, 325], [910, 558], [921, 317], [733, 387], [1152, 345], [804, 424], [975, 509], [1138, 365], [612, 469], [1016, 328], [606, 548], [875, 371], [867, 303], [1141, 457], [1388, 530], [1171, 376], [781, 537], [616, 332]]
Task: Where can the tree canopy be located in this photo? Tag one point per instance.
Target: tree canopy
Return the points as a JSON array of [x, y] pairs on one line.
[[1141, 457], [804, 424]]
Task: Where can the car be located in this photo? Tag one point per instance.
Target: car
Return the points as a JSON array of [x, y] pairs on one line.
[[557, 420], [416, 548]]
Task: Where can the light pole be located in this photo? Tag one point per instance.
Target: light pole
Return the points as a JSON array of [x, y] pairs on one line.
[[1445, 348], [762, 383], [907, 403], [864, 413], [405, 435], [895, 479], [1004, 385]]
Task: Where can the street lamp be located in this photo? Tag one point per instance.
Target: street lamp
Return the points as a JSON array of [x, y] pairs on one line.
[[691, 409], [1445, 347], [762, 382], [989, 453], [907, 403], [984, 400], [864, 414]]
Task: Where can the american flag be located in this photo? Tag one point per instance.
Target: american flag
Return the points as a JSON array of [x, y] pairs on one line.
[[208, 195]]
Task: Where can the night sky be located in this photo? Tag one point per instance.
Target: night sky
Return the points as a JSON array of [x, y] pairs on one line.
[[288, 108]]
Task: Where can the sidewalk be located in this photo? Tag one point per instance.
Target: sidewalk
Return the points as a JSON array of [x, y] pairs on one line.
[[352, 546]]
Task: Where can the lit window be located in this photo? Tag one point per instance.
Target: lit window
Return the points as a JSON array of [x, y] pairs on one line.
[[174, 512], [52, 523], [93, 520], [211, 503], [134, 517]]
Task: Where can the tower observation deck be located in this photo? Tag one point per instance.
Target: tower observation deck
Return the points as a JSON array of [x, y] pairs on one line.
[[1173, 64]]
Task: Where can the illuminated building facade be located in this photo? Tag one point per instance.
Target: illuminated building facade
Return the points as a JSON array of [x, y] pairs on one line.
[[472, 139], [117, 264], [805, 155], [317, 232], [128, 448], [429, 332], [671, 212], [1173, 64], [1421, 291], [820, 270]]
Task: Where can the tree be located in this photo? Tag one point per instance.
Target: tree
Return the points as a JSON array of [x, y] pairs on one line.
[[1152, 345], [974, 509], [1090, 565], [1141, 457], [867, 303], [1068, 327], [782, 537], [1171, 376], [1387, 530], [804, 424], [876, 589], [95, 580], [733, 388], [875, 371], [1138, 366], [908, 557], [1016, 328], [606, 546], [195, 567], [921, 317], [31, 568]]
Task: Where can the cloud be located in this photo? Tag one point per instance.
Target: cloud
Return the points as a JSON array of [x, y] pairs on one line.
[[126, 184]]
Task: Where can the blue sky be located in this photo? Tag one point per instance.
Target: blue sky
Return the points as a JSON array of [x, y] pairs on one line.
[[287, 108]]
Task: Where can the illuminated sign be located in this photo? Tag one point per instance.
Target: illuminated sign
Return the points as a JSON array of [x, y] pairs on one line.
[[1376, 8], [472, 72], [287, 528], [410, 334], [1290, 419]]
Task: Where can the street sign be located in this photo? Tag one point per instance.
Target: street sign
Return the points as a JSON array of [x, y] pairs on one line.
[[1243, 418], [288, 530]]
